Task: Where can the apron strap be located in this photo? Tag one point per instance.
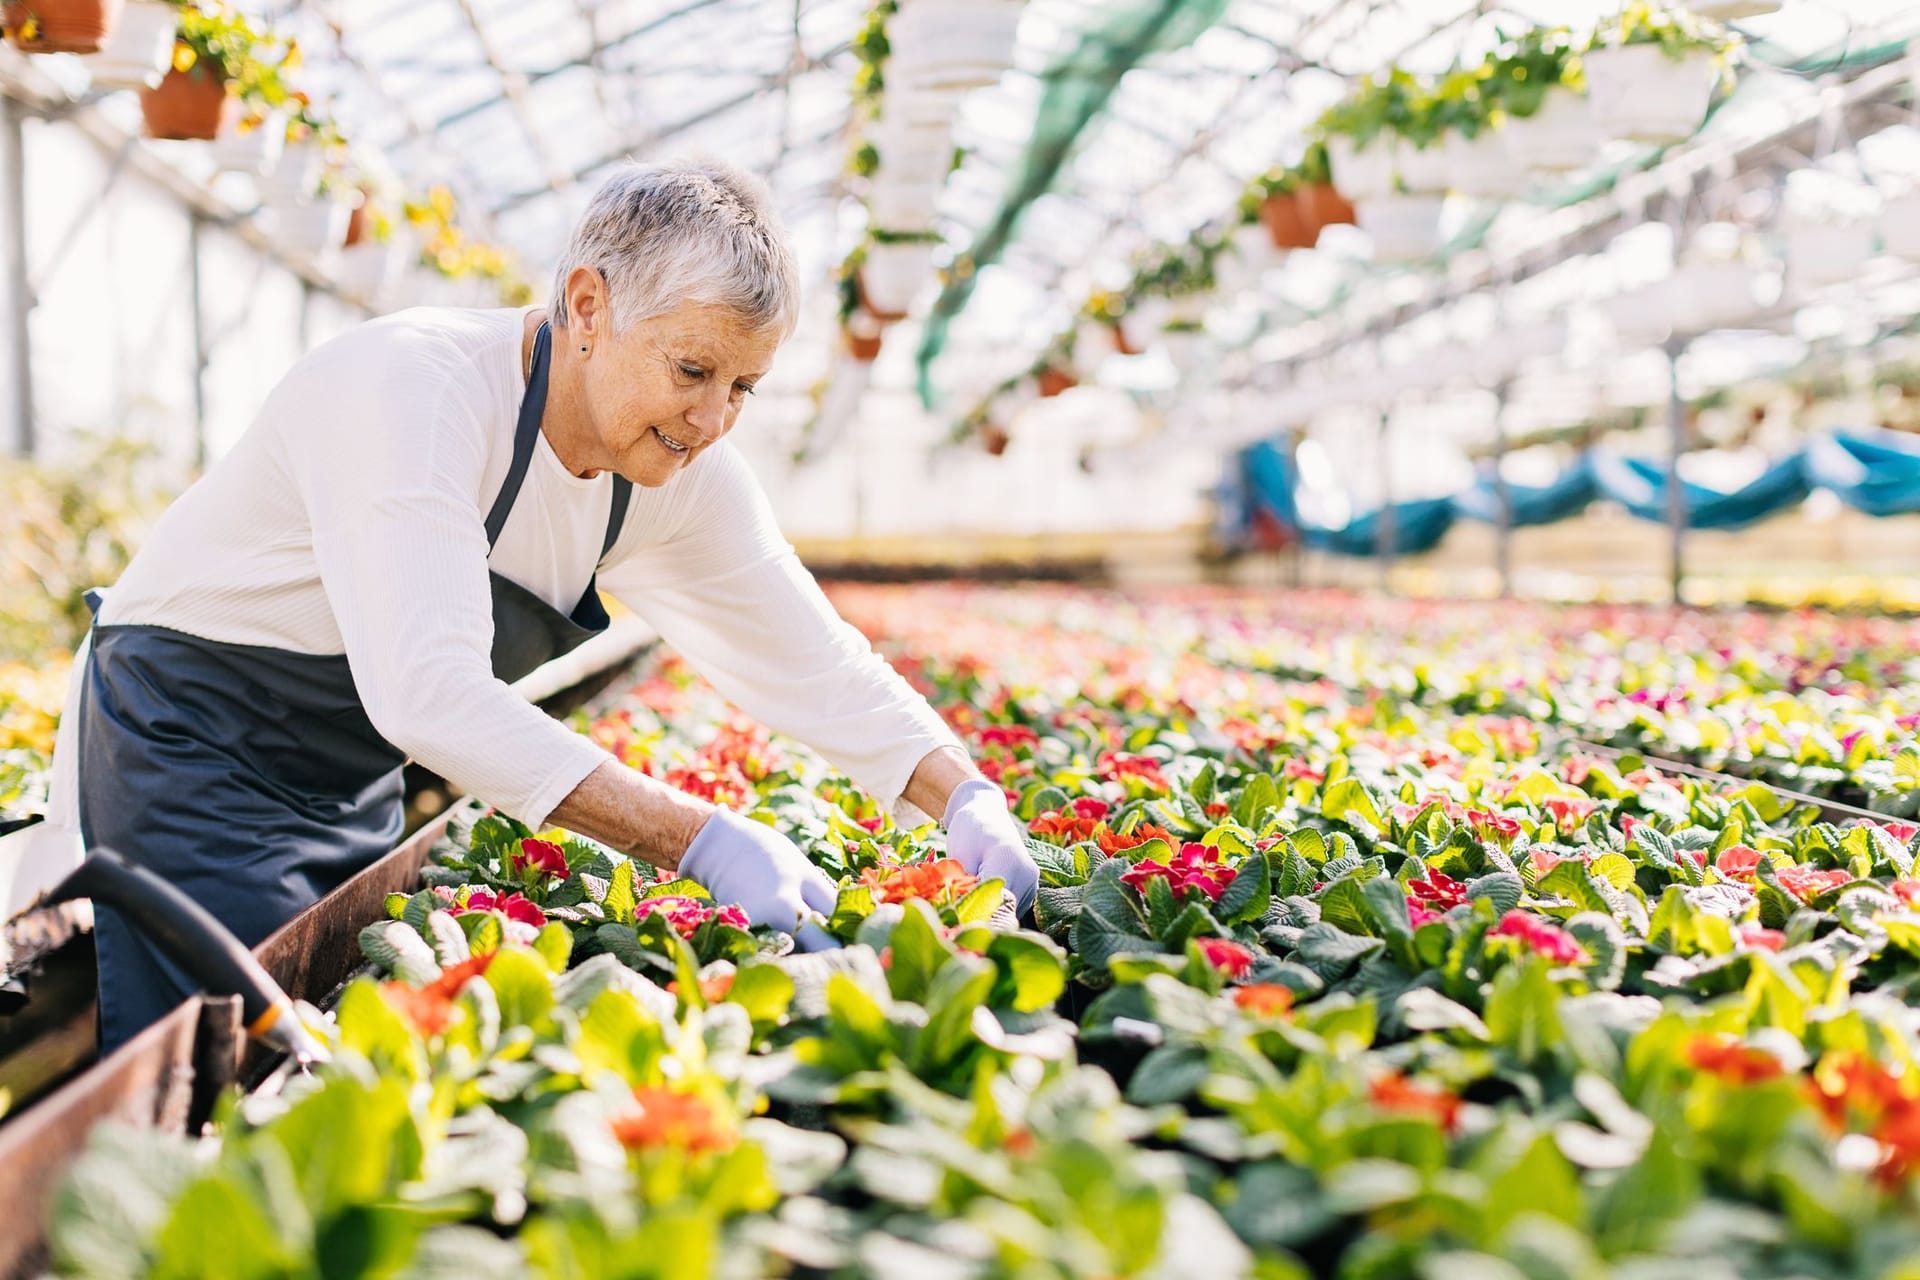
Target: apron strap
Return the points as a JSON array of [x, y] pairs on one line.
[[622, 495], [532, 405]]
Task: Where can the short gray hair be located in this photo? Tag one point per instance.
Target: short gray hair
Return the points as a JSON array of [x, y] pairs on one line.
[[690, 231]]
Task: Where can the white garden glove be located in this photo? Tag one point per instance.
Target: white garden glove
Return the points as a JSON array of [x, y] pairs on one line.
[[742, 861], [984, 838]]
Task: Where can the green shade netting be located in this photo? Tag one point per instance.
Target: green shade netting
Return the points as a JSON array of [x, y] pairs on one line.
[[1077, 89]]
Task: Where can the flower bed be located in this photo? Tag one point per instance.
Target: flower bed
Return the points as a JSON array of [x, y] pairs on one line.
[[1342, 973]]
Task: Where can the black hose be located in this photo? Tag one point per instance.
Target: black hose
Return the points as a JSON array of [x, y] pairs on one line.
[[195, 940]]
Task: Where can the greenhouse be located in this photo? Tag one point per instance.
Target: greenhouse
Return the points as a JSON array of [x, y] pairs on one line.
[[960, 639]]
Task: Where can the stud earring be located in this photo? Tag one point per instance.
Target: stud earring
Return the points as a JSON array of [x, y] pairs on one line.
[[583, 351]]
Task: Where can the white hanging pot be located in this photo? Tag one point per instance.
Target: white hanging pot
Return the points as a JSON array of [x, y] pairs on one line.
[[901, 205], [1362, 174], [1402, 228], [1715, 295], [1183, 346], [369, 268], [294, 179], [311, 229], [139, 48], [250, 148], [1481, 168], [1558, 138], [1638, 93], [1092, 344], [915, 153], [1421, 171], [1641, 316], [951, 44], [1733, 10], [1827, 252], [893, 274], [1900, 226]]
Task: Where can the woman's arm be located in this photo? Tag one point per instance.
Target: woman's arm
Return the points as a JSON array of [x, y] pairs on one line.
[[729, 593], [936, 776], [640, 816]]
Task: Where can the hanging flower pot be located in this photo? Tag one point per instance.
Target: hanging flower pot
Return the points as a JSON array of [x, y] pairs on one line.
[[951, 44], [1481, 167], [862, 346], [1286, 221], [1733, 10], [1184, 341], [1052, 380], [188, 105], [918, 154], [1705, 296], [252, 146], [311, 229], [1421, 171], [896, 202], [369, 267], [357, 223], [893, 273], [138, 50], [1900, 226], [994, 438], [1558, 138], [1832, 250], [1639, 93], [1322, 206], [293, 180], [1361, 173], [59, 26], [1403, 228]]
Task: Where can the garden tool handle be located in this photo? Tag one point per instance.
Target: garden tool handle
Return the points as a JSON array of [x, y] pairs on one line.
[[198, 942]]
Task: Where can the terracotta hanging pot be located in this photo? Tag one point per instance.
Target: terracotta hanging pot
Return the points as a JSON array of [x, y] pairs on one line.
[[1051, 381], [862, 347], [1286, 222], [1321, 206], [60, 26], [356, 227], [192, 104], [994, 439]]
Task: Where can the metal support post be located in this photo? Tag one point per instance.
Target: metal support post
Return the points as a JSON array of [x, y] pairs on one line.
[[1676, 495], [196, 228], [1385, 535], [1503, 497], [19, 440]]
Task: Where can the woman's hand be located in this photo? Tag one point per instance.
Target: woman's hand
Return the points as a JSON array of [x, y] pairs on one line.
[[749, 863], [984, 838]]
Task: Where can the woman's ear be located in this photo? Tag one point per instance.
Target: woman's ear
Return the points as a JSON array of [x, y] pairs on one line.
[[588, 317]]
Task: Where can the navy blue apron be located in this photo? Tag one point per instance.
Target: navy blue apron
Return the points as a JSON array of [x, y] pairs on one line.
[[250, 776]]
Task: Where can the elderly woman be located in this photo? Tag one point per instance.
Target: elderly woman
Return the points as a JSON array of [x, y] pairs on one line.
[[428, 507]]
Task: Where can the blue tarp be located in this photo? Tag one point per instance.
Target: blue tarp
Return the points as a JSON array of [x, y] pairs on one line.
[[1873, 471]]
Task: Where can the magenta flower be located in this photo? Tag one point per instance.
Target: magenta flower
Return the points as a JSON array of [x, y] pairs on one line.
[[1540, 937], [687, 914], [1196, 866], [543, 855], [1228, 957], [513, 906]]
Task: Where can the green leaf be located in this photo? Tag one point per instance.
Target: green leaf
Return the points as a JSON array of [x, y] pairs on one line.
[[619, 899], [980, 904], [1343, 904], [1201, 789], [523, 983], [1522, 1010], [764, 991], [1349, 801], [1251, 893], [918, 951], [1256, 801], [1502, 888], [399, 950], [554, 944], [1034, 971], [961, 987], [1161, 906], [1170, 1073]]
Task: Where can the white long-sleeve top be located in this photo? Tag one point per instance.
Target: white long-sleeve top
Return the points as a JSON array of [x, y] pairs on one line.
[[350, 519]]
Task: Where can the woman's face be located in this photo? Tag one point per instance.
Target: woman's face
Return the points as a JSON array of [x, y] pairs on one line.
[[663, 391]]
